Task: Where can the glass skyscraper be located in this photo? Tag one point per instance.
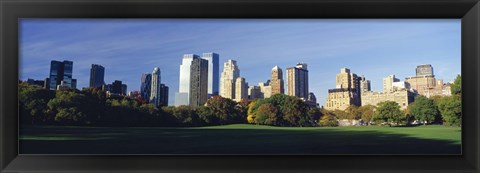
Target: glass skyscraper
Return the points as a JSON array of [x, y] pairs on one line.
[[97, 74], [146, 86], [155, 87], [61, 71], [213, 73], [181, 98]]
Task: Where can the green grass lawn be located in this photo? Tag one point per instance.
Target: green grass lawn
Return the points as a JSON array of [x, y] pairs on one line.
[[240, 139]]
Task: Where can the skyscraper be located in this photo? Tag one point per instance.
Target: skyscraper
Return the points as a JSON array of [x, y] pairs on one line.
[[155, 87], [164, 94], [388, 83], [97, 73], [297, 81], [198, 94], [277, 81], [227, 82], [241, 89], [213, 72], [181, 98], [365, 85], [424, 70], [116, 88], [60, 71], [146, 86], [346, 93]]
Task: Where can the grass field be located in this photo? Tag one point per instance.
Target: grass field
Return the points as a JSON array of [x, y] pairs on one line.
[[240, 139]]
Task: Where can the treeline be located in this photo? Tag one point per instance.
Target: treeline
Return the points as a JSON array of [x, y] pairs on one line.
[[90, 106]]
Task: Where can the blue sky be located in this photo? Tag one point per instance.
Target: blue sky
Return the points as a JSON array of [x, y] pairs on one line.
[[127, 48]]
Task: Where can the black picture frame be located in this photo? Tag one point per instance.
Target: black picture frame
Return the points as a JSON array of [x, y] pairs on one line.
[[12, 10]]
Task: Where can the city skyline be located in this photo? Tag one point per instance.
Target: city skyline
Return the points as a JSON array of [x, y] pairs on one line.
[[375, 61]]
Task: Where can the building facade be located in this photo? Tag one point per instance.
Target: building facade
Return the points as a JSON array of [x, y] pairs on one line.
[[182, 97], [388, 83], [39, 83], [277, 81], [97, 74], [198, 94], [227, 81], [341, 99], [117, 88], [146, 86], [347, 91], [155, 89], [213, 73], [402, 97], [61, 71], [297, 81], [163, 95], [265, 89], [425, 83], [254, 92], [365, 85], [241, 89], [424, 70]]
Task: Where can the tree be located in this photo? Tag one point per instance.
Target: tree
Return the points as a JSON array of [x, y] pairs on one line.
[[314, 115], [267, 114], [451, 109], [352, 112], [33, 104], [206, 115], [185, 116], [341, 114], [328, 120], [224, 110], [294, 112], [424, 109], [67, 108], [366, 112], [389, 112], [456, 87]]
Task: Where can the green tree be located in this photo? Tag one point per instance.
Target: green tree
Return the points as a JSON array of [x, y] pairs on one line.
[[366, 112], [424, 109], [456, 87], [451, 109], [389, 112], [33, 104], [328, 120], [224, 110], [294, 112], [267, 114], [314, 115], [352, 112], [67, 108], [185, 116], [341, 114]]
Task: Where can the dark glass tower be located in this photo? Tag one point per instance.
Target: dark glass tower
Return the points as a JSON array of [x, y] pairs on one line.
[[97, 74], [61, 71], [145, 86], [164, 94], [198, 82]]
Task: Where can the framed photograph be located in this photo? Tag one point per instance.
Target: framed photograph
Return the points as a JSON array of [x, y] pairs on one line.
[[248, 86]]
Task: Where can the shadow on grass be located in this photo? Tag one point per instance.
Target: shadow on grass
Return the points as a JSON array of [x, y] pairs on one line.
[[131, 140]]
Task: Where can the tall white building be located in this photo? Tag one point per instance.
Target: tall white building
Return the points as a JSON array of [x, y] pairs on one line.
[[297, 81], [227, 82], [241, 89], [182, 97], [213, 72], [388, 83], [155, 88]]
